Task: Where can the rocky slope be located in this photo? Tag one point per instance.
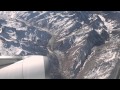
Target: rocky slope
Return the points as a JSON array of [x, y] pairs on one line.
[[86, 43]]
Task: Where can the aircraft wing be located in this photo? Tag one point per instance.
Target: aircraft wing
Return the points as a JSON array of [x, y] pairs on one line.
[[7, 60]]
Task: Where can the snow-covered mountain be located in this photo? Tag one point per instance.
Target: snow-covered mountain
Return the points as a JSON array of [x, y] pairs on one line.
[[86, 42]]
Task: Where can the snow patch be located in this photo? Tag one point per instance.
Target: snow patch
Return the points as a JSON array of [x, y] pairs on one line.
[[109, 25]]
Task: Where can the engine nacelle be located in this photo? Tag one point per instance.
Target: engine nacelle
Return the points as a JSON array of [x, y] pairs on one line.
[[31, 67]]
